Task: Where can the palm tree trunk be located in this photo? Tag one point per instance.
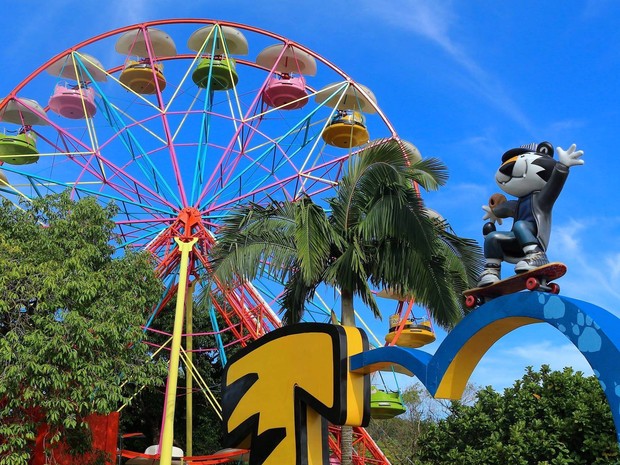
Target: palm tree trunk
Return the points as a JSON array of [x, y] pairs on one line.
[[347, 315], [347, 318], [346, 445]]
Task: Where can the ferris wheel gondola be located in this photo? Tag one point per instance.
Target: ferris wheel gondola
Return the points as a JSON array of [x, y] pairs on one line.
[[144, 75], [405, 329], [347, 127], [217, 70], [19, 147], [286, 88], [75, 100]]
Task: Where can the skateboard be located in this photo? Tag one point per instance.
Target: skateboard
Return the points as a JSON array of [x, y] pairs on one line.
[[537, 279]]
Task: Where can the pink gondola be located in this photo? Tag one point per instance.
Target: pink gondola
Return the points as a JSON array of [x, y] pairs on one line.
[[286, 92], [286, 87], [75, 102]]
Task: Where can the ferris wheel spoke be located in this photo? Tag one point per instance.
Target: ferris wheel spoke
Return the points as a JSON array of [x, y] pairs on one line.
[[138, 237], [49, 183], [244, 128], [232, 177], [268, 162], [130, 141], [202, 150], [120, 182]]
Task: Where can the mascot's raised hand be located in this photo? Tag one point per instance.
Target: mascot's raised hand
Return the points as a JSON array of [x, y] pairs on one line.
[[570, 157], [535, 178]]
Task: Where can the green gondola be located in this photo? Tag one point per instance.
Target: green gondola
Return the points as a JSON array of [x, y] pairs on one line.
[[20, 149], [385, 404], [223, 73]]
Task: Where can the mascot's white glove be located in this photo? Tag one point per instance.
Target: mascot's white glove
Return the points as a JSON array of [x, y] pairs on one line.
[[570, 157], [489, 215]]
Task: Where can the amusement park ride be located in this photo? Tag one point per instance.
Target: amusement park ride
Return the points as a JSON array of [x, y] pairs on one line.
[[177, 135]]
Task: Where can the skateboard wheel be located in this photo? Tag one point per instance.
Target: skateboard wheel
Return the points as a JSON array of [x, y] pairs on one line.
[[470, 301], [532, 284], [555, 288]]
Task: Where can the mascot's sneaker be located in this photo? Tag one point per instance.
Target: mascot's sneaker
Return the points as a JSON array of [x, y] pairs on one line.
[[532, 260], [490, 275]]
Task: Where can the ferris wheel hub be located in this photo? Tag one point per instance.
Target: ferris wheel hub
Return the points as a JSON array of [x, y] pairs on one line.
[[189, 218]]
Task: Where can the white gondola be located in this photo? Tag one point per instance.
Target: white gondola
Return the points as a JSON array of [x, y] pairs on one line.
[[346, 96], [177, 457]]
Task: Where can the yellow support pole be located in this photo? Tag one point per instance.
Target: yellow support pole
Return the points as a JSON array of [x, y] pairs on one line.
[[189, 379], [173, 369]]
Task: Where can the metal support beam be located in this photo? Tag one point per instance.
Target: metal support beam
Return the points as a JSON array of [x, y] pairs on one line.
[[167, 434]]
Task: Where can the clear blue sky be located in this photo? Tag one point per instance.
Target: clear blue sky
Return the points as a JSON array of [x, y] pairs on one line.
[[463, 81]]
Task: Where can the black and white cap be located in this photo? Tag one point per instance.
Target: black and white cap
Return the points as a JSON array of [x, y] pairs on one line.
[[544, 148]]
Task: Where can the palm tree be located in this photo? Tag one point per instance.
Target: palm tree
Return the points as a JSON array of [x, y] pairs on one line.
[[375, 233]]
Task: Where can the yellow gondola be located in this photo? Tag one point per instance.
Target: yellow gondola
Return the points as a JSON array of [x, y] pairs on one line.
[[413, 335], [145, 75], [140, 76], [347, 129]]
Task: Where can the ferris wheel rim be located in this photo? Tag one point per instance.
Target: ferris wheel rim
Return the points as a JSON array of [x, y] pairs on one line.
[[162, 22]]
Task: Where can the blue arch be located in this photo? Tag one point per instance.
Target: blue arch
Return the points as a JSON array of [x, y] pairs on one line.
[[593, 330]]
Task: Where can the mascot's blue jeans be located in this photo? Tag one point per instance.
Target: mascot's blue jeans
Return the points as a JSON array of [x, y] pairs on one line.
[[501, 244]]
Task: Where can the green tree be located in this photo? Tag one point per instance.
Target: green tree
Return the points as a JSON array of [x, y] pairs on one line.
[[376, 232], [547, 418], [399, 437], [70, 316]]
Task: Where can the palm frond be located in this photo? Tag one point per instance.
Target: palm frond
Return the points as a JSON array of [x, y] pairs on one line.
[[399, 215], [312, 238], [430, 173], [260, 256], [466, 252], [254, 240], [297, 291]]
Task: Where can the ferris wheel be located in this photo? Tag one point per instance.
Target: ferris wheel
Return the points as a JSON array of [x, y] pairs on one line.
[[177, 122]]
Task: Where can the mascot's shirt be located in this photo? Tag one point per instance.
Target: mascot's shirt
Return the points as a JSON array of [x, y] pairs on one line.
[[524, 209]]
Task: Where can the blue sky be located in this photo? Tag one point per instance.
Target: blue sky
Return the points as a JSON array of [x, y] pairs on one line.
[[463, 81]]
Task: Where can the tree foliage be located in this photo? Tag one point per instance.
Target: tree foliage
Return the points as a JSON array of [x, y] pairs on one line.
[[400, 437], [70, 316], [546, 418]]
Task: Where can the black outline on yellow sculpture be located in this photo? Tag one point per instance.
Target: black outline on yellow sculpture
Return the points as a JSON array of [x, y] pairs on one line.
[[349, 392]]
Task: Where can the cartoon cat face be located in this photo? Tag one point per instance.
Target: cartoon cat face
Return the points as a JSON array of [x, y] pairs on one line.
[[525, 173]]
